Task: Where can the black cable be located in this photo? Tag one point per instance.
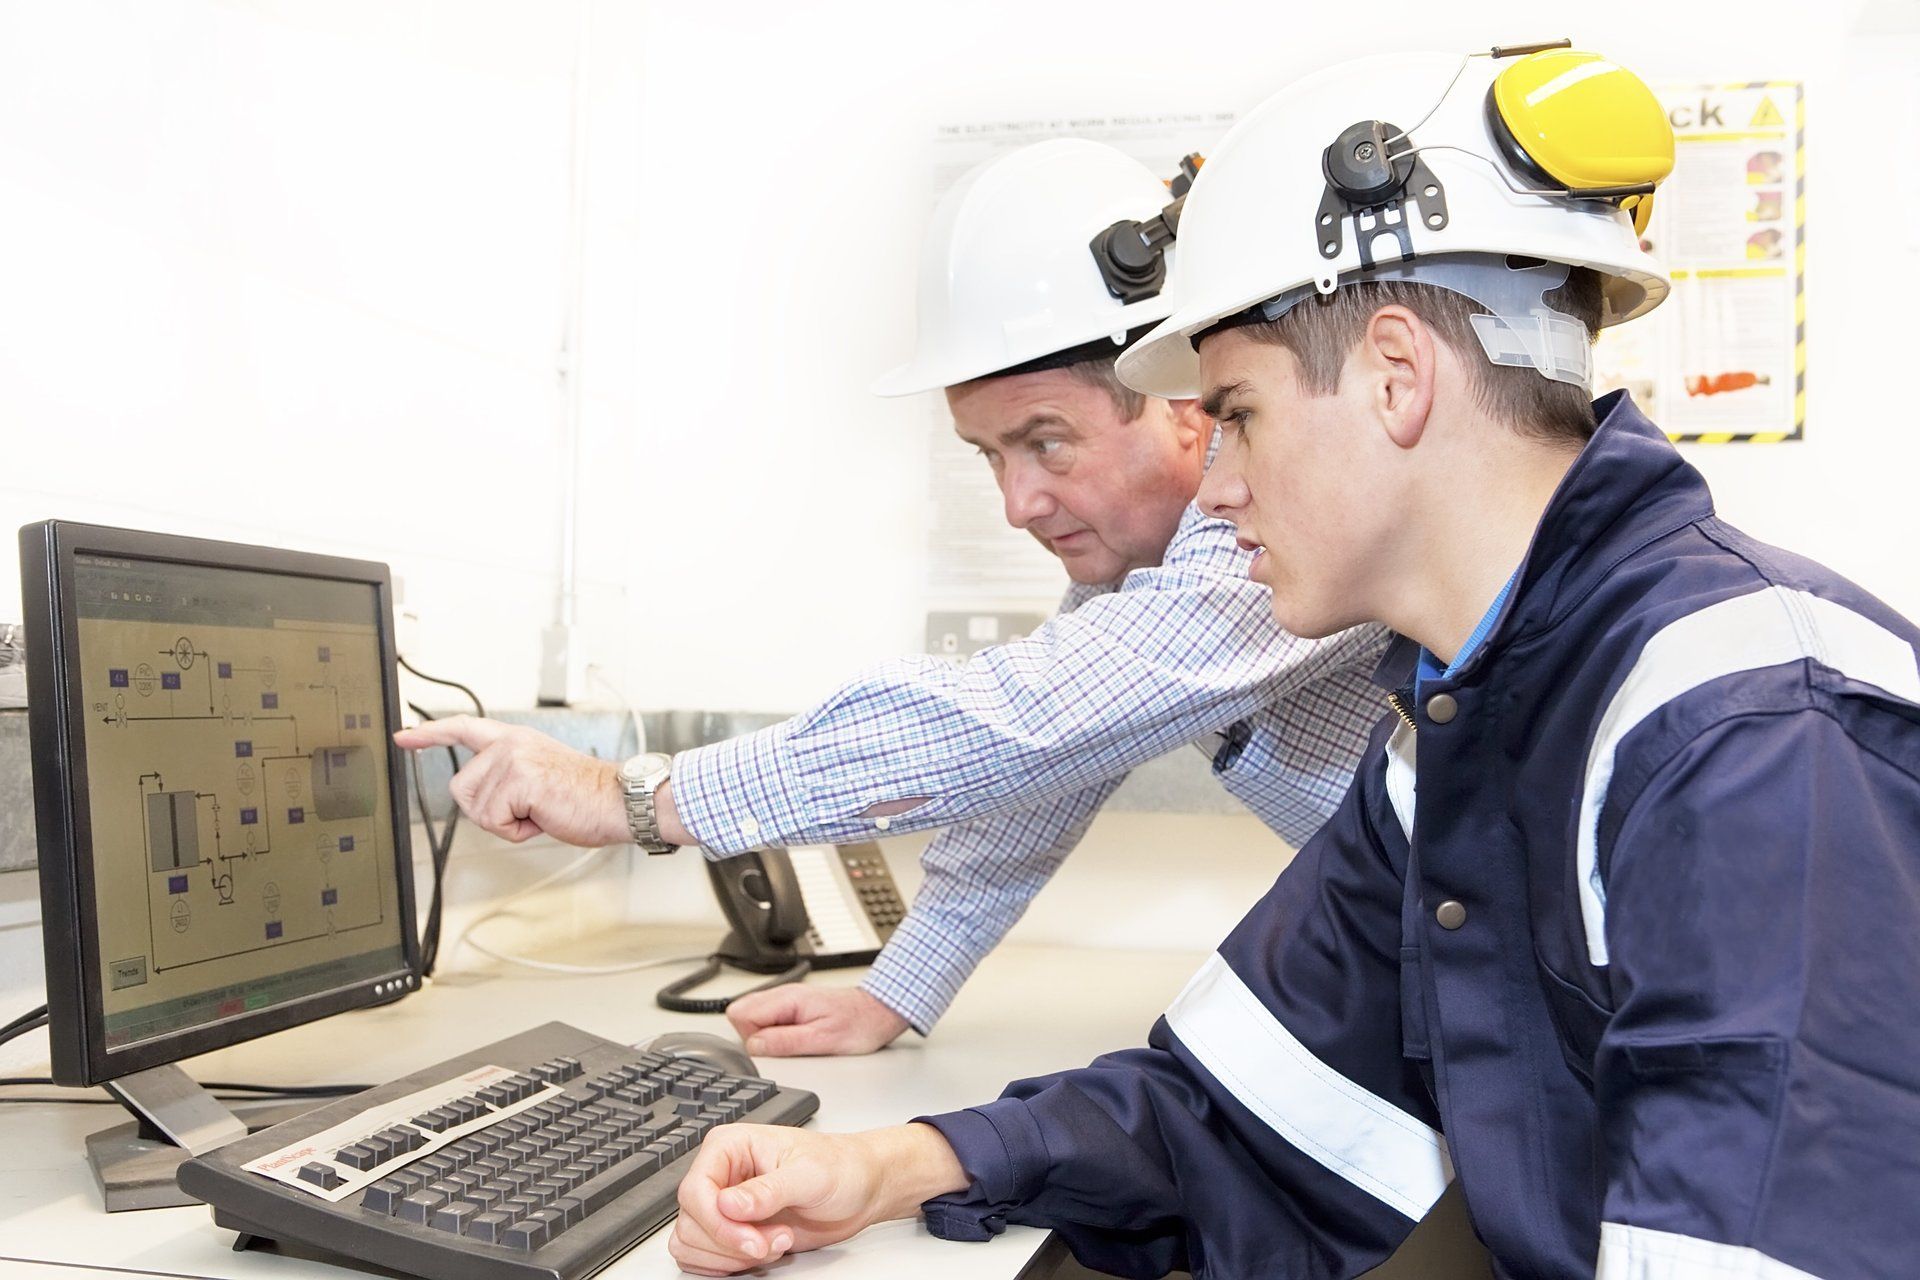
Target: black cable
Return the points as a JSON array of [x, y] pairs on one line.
[[439, 850], [32, 1021], [287, 1090], [439, 845], [672, 998], [478, 708], [225, 1088], [28, 1016]]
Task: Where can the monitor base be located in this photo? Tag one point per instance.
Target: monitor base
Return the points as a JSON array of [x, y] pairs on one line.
[[136, 1170]]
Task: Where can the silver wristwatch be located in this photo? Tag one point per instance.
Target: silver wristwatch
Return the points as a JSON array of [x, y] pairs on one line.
[[640, 778]]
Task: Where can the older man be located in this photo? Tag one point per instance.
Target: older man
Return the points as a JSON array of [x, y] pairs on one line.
[[1037, 268]]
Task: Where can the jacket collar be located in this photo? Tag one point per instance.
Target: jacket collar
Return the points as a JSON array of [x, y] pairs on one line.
[[1628, 488]]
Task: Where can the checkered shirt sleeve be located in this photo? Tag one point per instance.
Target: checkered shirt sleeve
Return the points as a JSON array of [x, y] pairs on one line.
[[1016, 750]]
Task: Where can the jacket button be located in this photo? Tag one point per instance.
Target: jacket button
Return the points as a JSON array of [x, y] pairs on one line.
[[1450, 914], [1441, 708]]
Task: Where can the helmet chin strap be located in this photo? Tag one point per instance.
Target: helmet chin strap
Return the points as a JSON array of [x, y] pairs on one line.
[[1520, 328]]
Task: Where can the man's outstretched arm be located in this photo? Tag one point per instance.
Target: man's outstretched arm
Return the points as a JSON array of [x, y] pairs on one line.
[[755, 1192], [1271, 1126]]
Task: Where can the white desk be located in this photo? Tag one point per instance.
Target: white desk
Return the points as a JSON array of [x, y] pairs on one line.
[[1029, 1010]]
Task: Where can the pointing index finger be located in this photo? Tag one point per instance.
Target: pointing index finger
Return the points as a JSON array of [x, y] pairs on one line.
[[470, 732]]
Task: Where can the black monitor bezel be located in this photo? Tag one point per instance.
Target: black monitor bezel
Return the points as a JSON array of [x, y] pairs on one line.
[[56, 718]]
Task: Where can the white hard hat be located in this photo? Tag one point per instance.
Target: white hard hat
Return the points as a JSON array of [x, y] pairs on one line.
[[1264, 223], [1008, 274]]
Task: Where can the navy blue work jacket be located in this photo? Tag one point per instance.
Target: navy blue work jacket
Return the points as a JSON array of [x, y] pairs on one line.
[[1619, 923]]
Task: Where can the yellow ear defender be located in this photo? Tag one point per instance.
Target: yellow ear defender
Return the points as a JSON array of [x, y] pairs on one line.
[[1578, 123]]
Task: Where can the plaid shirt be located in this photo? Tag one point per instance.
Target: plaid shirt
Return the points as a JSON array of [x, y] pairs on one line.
[[1015, 751]]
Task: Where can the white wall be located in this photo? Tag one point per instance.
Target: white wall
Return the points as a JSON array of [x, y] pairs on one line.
[[293, 271]]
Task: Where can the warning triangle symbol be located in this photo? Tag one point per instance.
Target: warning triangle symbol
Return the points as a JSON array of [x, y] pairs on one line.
[[1766, 116]]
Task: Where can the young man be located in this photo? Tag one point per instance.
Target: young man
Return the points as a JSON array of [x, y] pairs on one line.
[[1640, 965], [1161, 641]]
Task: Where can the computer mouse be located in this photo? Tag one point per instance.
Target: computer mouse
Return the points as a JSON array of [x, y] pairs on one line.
[[715, 1051]]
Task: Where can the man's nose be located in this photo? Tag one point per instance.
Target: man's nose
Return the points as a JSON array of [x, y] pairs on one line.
[[1223, 490], [1026, 495]]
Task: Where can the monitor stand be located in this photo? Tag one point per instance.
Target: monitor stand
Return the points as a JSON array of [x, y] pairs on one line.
[[176, 1119]]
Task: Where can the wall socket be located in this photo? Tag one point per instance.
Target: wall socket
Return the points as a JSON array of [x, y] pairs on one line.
[[959, 635]]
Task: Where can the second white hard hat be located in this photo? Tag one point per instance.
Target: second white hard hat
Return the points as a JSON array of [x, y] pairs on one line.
[[1007, 274], [1260, 222]]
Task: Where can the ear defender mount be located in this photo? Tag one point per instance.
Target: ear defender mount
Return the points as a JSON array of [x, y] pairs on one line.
[[1132, 255], [1371, 173]]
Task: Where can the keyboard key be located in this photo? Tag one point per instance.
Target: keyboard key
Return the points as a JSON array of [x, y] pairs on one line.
[[526, 1234], [488, 1228], [403, 1139], [518, 1207], [432, 1122], [419, 1206], [556, 1221], [357, 1156], [596, 1193], [384, 1196], [683, 1088], [570, 1209], [454, 1217], [485, 1197], [323, 1176]]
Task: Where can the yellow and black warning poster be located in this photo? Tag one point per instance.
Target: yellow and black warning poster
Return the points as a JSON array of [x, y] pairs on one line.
[[1724, 359]]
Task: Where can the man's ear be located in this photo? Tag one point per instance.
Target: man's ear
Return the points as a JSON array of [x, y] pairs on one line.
[[1191, 425], [1399, 356]]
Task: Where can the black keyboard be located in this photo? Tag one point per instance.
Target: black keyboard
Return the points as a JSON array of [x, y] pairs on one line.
[[548, 1154]]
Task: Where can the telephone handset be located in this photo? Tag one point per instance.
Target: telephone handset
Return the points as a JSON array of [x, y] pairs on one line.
[[765, 911], [792, 910]]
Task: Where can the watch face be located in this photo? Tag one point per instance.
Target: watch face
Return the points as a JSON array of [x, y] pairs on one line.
[[642, 767]]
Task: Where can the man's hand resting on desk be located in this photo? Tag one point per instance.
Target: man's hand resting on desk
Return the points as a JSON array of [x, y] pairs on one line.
[[521, 783], [797, 1021], [755, 1192]]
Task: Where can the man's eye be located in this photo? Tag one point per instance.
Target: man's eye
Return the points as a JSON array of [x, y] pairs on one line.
[[1046, 448], [1233, 422]]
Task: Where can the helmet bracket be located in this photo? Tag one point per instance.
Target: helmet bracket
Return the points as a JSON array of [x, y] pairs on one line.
[[1373, 173]]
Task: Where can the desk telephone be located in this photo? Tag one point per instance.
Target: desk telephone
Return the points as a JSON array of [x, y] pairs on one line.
[[790, 911]]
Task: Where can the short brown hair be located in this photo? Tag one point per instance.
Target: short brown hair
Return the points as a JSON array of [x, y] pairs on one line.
[[1322, 331], [1099, 373]]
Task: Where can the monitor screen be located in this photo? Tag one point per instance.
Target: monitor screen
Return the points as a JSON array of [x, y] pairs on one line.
[[232, 786]]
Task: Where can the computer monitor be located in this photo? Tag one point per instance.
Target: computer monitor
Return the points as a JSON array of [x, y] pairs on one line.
[[223, 830]]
